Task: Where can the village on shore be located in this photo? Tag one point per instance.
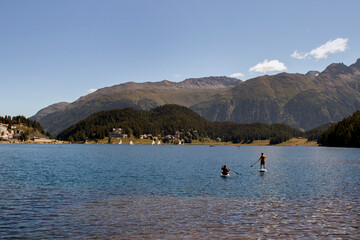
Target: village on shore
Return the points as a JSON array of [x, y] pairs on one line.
[[16, 134]]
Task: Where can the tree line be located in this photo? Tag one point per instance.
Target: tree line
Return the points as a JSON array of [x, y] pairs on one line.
[[171, 119], [345, 133]]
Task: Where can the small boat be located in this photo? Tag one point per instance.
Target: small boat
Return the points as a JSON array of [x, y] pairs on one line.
[[131, 142]]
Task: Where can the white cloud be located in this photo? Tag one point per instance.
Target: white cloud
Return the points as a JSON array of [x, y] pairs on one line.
[[91, 90], [299, 55], [268, 66], [177, 75], [337, 45], [237, 75]]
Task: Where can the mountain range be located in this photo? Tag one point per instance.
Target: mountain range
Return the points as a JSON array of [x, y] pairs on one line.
[[303, 101]]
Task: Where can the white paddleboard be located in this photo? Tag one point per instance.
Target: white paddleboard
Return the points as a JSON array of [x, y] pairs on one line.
[[227, 175], [262, 170]]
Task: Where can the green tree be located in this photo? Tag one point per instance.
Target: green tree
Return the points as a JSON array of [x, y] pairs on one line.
[[23, 136]]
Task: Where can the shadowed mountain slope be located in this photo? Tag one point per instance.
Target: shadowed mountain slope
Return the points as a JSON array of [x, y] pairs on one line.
[[135, 95]]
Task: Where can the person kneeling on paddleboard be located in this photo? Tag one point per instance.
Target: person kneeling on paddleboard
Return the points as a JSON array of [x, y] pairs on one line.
[[225, 170], [262, 161]]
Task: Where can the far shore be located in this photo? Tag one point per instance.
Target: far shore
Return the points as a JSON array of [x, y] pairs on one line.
[[291, 142]]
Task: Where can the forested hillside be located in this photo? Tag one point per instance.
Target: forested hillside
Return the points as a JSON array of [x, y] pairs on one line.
[[315, 133], [345, 133], [171, 119]]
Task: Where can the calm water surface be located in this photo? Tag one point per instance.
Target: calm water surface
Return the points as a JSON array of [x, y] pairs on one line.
[[168, 192]]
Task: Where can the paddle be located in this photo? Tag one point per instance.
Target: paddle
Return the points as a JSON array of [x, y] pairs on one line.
[[236, 172], [255, 162]]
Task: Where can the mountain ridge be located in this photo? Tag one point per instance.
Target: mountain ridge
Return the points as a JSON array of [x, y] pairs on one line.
[[300, 100], [294, 99], [135, 95], [49, 109]]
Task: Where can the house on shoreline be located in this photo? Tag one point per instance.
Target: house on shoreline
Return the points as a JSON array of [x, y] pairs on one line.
[[4, 132], [43, 140], [14, 135], [117, 133]]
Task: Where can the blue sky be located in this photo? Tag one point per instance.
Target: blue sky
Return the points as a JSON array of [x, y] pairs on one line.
[[53, 51]]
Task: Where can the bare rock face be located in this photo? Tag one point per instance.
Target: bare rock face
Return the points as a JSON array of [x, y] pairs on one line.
[[312, 74], [209, 83]]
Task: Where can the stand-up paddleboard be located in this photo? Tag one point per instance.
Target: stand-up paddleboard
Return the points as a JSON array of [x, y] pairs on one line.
[[262, 170], [225, 175]]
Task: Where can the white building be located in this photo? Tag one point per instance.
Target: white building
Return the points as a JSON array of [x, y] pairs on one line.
[[4, 131]]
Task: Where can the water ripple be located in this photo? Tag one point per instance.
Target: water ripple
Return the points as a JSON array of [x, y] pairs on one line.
[[190, 218], [172, 192]]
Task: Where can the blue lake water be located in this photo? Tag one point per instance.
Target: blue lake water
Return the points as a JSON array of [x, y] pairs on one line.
[[167, 192]]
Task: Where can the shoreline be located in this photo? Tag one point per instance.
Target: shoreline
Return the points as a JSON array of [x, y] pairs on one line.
[[291, 142]]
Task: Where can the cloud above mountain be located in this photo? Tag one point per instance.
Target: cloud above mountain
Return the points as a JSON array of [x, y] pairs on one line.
[[237, 75], [299, 55], [330, 47], [91, 90], [268, 66], [338, 45]]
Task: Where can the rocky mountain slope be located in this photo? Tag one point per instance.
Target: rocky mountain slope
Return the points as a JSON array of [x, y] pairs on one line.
[[302, 101], [48, 110], [136, 95]]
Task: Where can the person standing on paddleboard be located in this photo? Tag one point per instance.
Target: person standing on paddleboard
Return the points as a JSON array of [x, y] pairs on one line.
[[262, 160]]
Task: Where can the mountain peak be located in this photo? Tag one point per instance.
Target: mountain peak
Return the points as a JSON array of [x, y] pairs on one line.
[[312, 74], [356, 65], [337, 68], [165, 82]]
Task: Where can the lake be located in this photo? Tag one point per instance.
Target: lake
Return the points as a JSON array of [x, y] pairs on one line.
[[169, 191]]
